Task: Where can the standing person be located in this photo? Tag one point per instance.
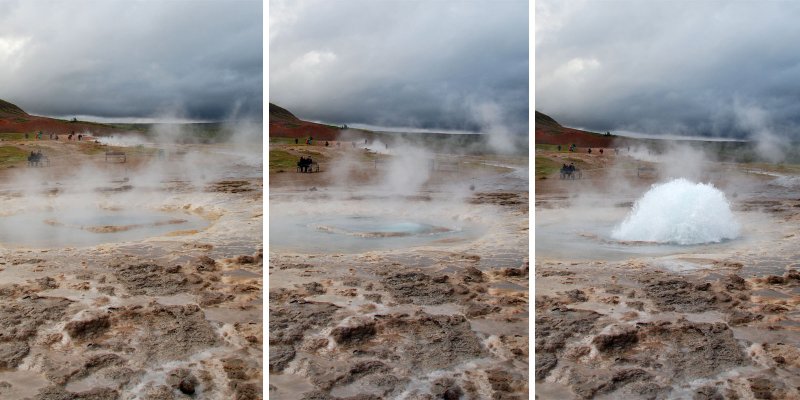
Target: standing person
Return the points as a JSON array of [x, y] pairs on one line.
[[80, 137], [295, 140]]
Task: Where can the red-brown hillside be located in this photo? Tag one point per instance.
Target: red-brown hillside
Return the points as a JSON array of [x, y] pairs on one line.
[[282, 123], [548, 131], [14, 119]]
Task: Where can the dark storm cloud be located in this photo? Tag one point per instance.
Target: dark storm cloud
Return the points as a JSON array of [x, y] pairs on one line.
[[431, 65], [187, 59], [710, 68]]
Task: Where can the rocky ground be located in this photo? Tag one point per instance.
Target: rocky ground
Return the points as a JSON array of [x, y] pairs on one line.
[[168, 317], [640, 332], [697, 325], [437, 321]]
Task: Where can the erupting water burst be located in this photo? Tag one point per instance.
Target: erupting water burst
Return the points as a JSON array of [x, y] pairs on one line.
[[680, 212]]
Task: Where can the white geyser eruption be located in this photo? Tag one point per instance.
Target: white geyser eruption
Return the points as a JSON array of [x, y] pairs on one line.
[[679, 212]]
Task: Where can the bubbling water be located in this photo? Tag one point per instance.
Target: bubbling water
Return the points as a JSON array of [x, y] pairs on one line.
[[679, 212]]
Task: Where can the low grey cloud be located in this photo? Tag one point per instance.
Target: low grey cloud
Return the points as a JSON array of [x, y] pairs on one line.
[[729, 69], [187, 59], [431, 65]]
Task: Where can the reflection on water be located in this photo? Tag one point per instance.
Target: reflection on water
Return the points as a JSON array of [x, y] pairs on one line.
[[59, 229]]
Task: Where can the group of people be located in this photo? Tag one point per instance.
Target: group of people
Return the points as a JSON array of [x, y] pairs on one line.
[[35, 157], [39, 136], [54, 136], [305, 164], [569, 171], [309, 141], [572, 148]]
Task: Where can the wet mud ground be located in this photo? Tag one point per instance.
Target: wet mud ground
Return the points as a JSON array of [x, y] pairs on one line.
[[175, 316], [716, 322], [434, 321]]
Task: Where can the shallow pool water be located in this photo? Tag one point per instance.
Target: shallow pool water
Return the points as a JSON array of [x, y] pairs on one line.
[[358, 233], [91, 227], [570, 235], [376, 227]]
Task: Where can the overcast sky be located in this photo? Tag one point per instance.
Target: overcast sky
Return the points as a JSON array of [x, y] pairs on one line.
[[187, 59], [440, 65], [709, 68]]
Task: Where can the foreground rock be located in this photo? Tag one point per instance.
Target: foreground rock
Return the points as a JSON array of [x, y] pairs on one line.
[[644, 346]]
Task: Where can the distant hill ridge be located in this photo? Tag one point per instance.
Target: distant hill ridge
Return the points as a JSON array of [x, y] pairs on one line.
[[283, 123], [14, 119], [9, 109], [280, 113], [549, 131], [542, 119]]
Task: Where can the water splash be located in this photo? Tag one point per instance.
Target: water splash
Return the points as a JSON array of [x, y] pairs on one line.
[[679, 212]]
